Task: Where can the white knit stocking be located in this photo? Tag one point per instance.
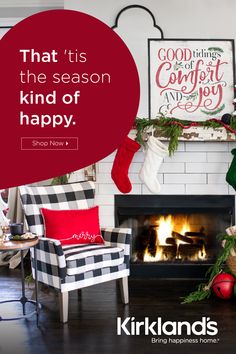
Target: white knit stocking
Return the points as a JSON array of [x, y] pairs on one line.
[[154, 155]]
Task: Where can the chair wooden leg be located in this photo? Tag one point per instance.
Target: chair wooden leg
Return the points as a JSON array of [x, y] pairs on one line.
[[124, 289], [63, 303]]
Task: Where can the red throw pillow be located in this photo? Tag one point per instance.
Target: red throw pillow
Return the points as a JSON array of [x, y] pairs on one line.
[[72, 226]]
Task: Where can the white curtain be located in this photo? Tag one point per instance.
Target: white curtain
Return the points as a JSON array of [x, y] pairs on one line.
[[15, 214]]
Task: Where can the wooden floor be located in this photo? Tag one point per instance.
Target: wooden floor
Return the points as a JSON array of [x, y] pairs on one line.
[[93, 314]]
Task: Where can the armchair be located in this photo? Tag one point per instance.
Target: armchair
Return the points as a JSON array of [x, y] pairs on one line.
[[68, 268]]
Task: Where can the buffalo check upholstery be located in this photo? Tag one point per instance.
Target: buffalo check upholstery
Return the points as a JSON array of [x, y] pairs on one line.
[[83, 258], [73, 267]]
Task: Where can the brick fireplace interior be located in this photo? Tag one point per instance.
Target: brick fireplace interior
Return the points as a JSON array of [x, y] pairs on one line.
[[174, 235]]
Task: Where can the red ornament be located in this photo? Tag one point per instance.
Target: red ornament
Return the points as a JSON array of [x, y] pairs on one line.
[[223, 285]]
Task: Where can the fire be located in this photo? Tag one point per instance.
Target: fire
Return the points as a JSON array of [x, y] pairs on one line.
[[202, 254], [185, 228], [166, 226], [164, 230], [173, 242], [149, 258]]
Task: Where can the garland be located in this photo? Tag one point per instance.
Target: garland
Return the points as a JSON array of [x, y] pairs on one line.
[[64, 179], [172, 128], [204, 290]]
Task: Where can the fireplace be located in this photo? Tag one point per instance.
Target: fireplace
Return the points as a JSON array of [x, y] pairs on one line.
[[174, 235]]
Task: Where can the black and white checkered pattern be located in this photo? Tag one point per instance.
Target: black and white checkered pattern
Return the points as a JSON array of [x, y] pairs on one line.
[[114, 237], [60, 197], [118, 237], [52, 262], [69, 268], [93, 277], [83, 258]]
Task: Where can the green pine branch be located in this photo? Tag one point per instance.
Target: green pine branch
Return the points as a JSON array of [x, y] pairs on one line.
[[169, 128], [64, 179], [200, 294], [204, 291]]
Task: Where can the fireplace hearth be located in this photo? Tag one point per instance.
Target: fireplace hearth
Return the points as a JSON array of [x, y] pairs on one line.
[[174, 235]]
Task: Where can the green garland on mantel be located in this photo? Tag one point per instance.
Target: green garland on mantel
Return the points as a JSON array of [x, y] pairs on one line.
[[204, 290], [172, 128]]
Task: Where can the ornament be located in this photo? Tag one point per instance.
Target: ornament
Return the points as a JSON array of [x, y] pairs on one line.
[[226, 118], [223, 285]]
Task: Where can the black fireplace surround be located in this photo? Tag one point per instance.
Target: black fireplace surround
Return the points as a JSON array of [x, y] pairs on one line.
[[207, 215]]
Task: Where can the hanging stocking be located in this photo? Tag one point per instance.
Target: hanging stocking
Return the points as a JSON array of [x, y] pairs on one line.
[[231, 174], [154, 155], [121, 164]]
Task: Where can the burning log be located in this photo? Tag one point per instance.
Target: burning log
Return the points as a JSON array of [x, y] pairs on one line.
[[195, 234], [170, 241], [197, 237], [187, 251], [139, 257], [169, 252], [180, 237], [152, 243]]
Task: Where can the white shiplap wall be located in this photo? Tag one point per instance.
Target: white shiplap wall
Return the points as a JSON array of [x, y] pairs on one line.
[[196, 168]]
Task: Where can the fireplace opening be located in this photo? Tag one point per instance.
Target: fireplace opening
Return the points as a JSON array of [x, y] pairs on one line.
[[176, 237], [174, 230]]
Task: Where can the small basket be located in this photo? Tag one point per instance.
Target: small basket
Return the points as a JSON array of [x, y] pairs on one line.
[[231, 260], [231, 263]]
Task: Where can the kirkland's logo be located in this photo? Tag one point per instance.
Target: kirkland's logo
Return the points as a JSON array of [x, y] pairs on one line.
[[131, 327]]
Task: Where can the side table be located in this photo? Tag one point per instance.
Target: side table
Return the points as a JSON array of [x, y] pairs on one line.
[[22, 246]]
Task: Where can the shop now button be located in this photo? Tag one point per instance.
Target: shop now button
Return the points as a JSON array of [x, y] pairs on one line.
[[49, 143]]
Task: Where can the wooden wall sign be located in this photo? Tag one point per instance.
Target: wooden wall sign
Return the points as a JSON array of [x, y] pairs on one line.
[[191, 79]]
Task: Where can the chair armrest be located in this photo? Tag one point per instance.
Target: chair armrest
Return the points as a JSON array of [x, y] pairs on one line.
[[118, 237], [50, 258]]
